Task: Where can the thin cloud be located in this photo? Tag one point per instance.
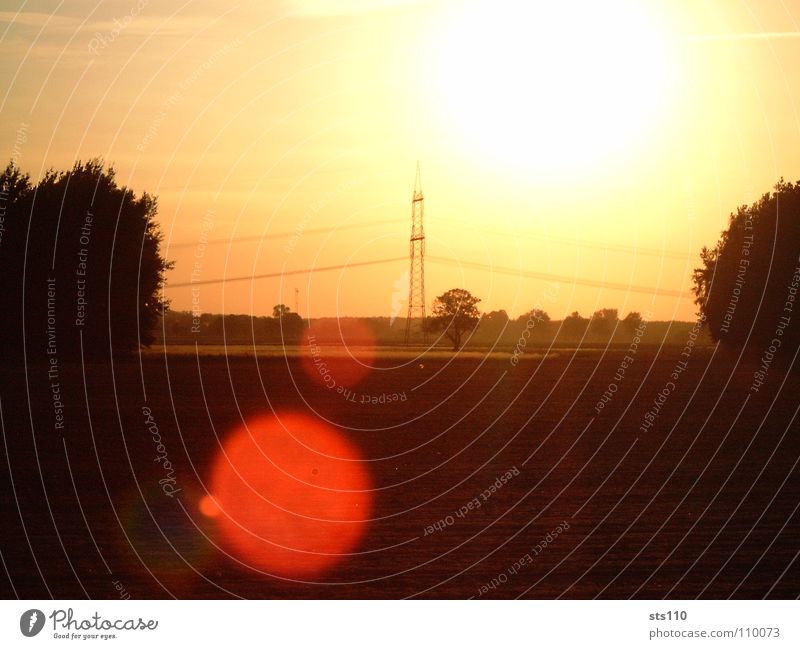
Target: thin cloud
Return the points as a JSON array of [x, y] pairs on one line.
[[36, 20], [141, 24], [57, 30], [145, 25], [753, 36], [322, 8]]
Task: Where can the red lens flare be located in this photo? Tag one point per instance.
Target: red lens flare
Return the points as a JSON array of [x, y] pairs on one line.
[[289, 495], [338, 354]]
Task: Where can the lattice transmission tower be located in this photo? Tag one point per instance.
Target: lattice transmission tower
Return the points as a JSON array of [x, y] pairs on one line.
[[416, 281]]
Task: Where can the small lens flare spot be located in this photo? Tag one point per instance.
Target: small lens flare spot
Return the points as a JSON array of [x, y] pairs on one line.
[[338, 356], [209, 506], [290, 495]]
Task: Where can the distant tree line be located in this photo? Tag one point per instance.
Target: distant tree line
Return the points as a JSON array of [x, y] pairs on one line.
[[284, 327], [493, 329], [602, 325], [456, 314]]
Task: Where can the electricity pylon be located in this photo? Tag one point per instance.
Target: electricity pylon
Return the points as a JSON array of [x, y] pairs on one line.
[[416, 281]]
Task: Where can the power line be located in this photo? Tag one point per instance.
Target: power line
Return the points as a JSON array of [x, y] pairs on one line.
[[546, 238], [282, 235], [577, 243], [303, 271], [516, 272]]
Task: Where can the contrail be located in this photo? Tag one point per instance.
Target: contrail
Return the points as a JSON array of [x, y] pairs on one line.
[[751, 36]]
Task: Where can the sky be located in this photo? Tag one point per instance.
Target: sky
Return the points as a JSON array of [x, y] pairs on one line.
[[572, 157]]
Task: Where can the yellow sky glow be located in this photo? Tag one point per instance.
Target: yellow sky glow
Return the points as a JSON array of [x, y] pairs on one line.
[[603, 142]]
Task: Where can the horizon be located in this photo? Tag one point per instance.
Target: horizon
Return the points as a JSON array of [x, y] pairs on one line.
[[403, 317]]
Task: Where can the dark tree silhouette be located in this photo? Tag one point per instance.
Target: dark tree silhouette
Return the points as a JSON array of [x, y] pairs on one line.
[[632, 321], [535, 315], [603, 322], [574, 326], [290, 325], [494, 324], [455, 312], [280, 310], [291, 328], [79, 257], [747, 287]]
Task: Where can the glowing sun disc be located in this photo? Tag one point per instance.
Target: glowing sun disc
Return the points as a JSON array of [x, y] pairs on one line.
[[552, 84]]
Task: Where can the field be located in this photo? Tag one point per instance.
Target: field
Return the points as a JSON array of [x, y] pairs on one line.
[[569, 499]]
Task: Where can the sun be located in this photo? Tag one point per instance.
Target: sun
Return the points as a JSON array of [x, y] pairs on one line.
[[552, 85]]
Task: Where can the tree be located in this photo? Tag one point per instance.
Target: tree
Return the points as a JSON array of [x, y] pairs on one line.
[[455, 312], [574, 326], [494, 323], [291, 328], [632, 321], [79, 261], [748, 283], [499, 318], [535, 315], [603, 322], [290, 324]]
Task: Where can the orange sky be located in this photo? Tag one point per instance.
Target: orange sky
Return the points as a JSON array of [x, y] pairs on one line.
[[570, 145]]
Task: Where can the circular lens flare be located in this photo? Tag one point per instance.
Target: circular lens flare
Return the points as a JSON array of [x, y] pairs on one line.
[[289, 495], [339, 354]]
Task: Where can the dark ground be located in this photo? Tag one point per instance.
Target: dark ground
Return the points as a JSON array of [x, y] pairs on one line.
[[703, 504]]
